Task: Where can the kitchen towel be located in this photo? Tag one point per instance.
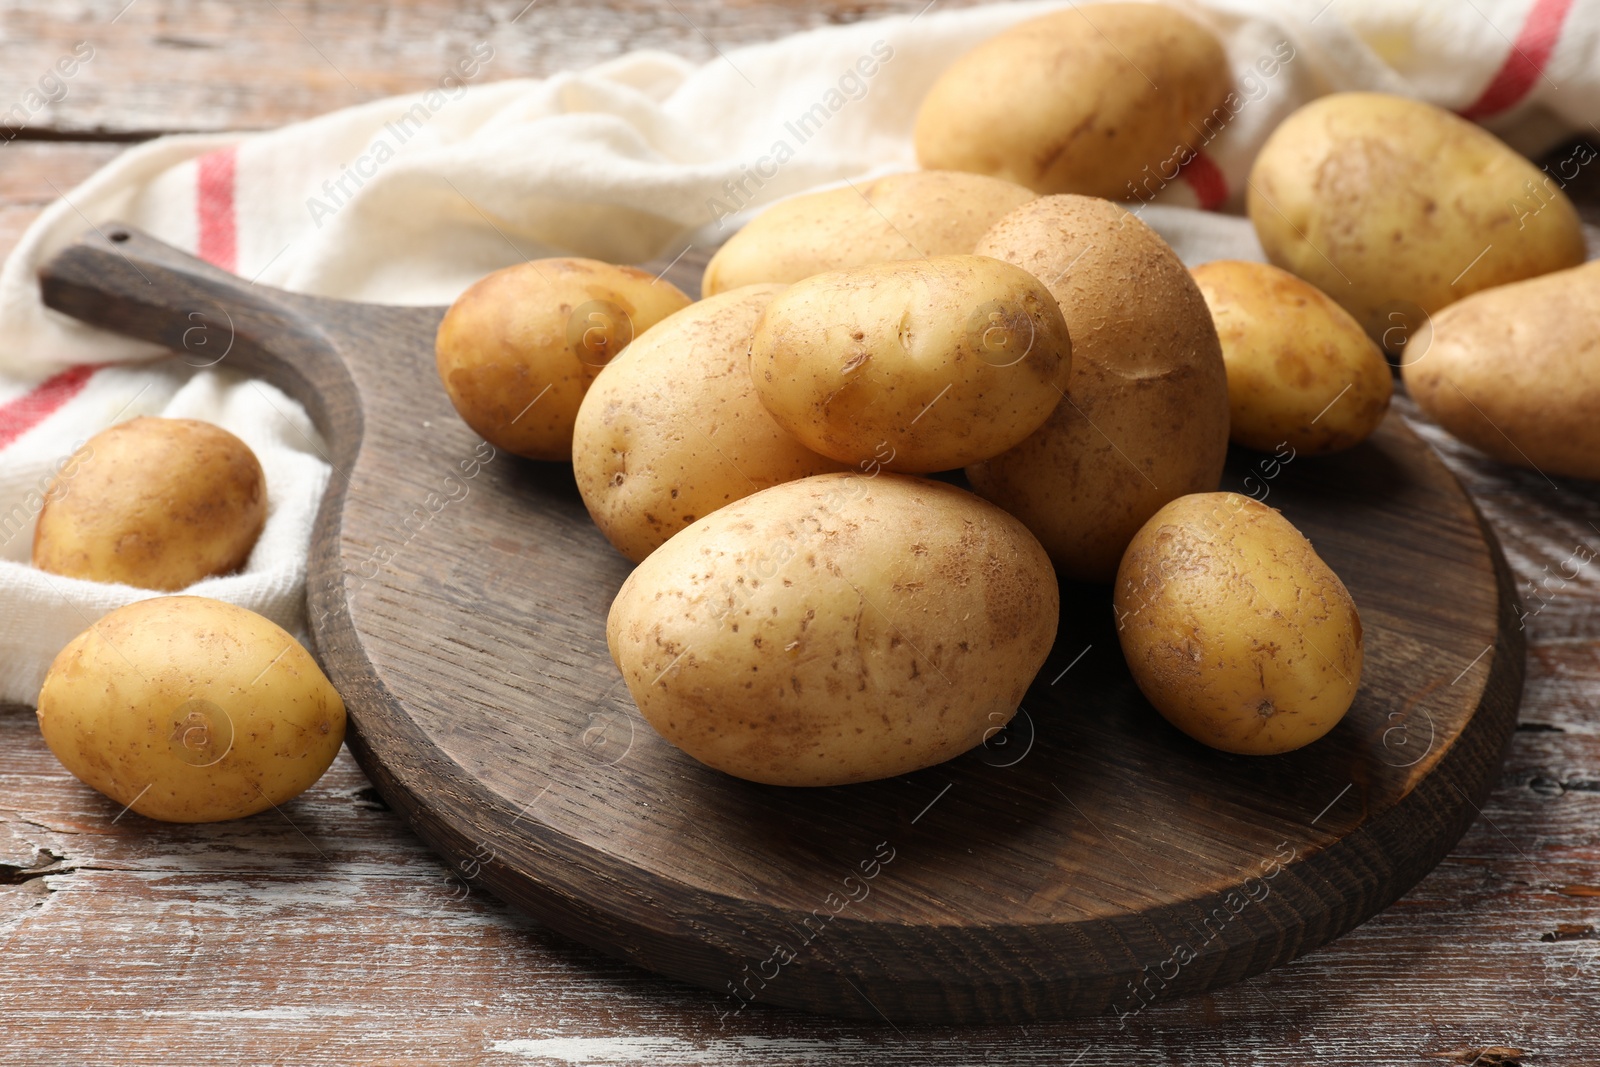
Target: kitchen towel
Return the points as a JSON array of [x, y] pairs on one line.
[[411, 199]]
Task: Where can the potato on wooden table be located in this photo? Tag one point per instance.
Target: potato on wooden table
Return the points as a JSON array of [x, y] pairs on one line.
[[672, 430], [1088, 100], [902, 216], [1515, 372], [153, 503], [1301, 371], [1234, 628], [1397, 208], [1146, 415], [517, 351], [923, 365], [836, 629], [187, 709]]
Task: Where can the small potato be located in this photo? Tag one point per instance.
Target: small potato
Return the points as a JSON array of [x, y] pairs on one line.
[[1301, 371], [672, 430], [1234, 628], [190, 710], [153, 503], [1396, 208], [836, 629], [903, 216], [924, 365], [1146, 415], [517, 351], [1089, 100], [1515, 372]]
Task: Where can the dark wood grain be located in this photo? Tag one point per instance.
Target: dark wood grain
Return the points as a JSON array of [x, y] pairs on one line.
[[465, 630]]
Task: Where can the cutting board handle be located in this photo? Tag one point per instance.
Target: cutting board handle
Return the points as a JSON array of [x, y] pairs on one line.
[[120, 279], [123, 280]]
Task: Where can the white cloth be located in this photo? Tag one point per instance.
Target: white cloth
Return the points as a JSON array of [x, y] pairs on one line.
[[627, 161]]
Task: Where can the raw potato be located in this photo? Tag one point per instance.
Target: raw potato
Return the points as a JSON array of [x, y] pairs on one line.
[[837, 629], [1396, 208], [1146, 419], [924, 365], [190, 710], [153, 503], [1234, 628], [1515, 372], [1088, 100], [903, 216], [672, 430], [517, 351], [1301, 371]]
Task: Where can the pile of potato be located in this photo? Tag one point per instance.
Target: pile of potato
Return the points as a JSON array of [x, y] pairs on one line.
[[180, 708], [810, 609]]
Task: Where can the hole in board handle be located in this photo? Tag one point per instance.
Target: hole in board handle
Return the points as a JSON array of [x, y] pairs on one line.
[[118, 236]]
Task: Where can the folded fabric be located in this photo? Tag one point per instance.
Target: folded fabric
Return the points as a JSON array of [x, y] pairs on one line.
[[410, 199]]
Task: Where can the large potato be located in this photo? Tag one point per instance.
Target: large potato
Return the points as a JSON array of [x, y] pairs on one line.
[[153, 503], [1083, 100], [1234, 628], [924, 364], [190, 710], [903, 216], [517, 351], [1146, 414], [672, 430], [1515, 372], [1396, 208], [836, 629], [1301, 371]]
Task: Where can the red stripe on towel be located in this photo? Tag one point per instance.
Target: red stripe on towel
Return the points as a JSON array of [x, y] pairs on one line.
[[219, 231], [22, 414], [1206, 179], [1525, 63]]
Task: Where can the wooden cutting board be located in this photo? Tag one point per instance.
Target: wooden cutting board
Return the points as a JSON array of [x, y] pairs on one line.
[[1089, 859]]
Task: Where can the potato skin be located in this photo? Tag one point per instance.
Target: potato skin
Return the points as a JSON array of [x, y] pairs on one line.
[[1301, 371], [153, 503], [1385, 204], [517, 351], [836, 629], [1515, 372], [1234, 628], [902, 216], [946, 361], [1068, 102], [672, 430], [190, 710], [1146, 415]]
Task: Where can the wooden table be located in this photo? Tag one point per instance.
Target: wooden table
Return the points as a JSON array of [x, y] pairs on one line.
[[328, 935]]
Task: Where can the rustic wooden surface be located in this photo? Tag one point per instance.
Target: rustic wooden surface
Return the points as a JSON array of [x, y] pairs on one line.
[[329, 935], [1079, 854]]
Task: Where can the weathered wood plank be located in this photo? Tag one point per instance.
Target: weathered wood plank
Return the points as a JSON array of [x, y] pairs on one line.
[[348, 945], [32, 174], [208, 65]]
